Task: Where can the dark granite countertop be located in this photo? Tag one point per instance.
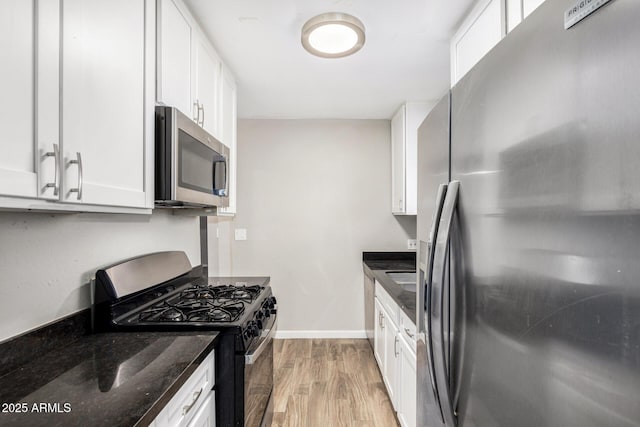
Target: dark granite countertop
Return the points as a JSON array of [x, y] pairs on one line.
[[114, 379], [376, 263], [110, 379]]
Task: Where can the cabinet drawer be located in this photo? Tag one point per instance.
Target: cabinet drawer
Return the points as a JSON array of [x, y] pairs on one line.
[[187, 401], [389, 304], [408, 330]]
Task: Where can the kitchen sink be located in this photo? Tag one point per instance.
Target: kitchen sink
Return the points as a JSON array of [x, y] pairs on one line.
[[404, 279]]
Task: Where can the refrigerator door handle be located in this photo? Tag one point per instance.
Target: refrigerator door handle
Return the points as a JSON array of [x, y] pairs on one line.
[[428, 262], [438, 282]]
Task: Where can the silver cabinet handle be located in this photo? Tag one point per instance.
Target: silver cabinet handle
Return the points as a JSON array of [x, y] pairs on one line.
[[56, 157], [395, 346], [196, 111], [382, 321], [78, 162], [188, 407], [201, 108], [408, 332]]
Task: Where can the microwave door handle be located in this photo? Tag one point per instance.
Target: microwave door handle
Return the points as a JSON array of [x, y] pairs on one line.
[[215, 190], [226, 176]]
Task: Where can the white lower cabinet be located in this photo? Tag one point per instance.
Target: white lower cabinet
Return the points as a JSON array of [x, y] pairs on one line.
[[394, 350], [391, 350], [407, 376], [206, 415], [194, 404], [378, 335]]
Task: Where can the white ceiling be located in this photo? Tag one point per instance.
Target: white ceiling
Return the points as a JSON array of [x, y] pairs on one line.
[[405, 57]]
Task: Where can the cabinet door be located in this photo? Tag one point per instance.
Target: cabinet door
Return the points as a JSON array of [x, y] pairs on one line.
[[482, 30], [529, 6], [48, 99], [378, 338], [398, 185], [206, 415], [407, 386], [229, 138], [207, 82], [174, 58], [17, 45], [103, 94], [391, 358]]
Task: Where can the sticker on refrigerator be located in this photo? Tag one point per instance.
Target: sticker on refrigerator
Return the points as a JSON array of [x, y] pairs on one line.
[[581, 10]]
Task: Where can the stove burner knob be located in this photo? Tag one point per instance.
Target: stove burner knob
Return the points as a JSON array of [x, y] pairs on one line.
[[255, 332], [272, 304], [252, 329]]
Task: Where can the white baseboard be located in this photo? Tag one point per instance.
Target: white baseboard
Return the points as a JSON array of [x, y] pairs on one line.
[[319, 334]]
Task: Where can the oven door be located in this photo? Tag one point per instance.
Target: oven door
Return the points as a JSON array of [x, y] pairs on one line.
[[258, 378]]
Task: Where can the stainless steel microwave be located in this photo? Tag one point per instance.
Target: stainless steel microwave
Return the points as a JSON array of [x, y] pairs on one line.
[[191, 165]]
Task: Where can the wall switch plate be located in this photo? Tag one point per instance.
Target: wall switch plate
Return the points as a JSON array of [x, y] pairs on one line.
[[412, 244], [241, 234]]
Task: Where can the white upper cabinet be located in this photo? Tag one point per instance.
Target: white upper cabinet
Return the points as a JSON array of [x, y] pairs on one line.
[[103, 109], [77, 117], [189, 71], [517, 10], [207, 87], [513, 13], [529, 6], [398, 166], [404, 157], [229, 137], [487, 23], [481, 30], [17, 46], [174, 58], [28, 117], [192, 77]]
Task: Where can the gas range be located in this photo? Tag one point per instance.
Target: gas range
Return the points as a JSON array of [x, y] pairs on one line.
[[231, 304], [162, 292]]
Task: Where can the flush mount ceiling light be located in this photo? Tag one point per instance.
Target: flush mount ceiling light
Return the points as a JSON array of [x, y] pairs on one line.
[[333, 35]]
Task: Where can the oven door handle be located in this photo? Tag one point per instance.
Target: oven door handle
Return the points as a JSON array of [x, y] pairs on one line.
[[251, 356]]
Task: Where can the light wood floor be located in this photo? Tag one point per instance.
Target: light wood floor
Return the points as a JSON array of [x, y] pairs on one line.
[[328, 383]]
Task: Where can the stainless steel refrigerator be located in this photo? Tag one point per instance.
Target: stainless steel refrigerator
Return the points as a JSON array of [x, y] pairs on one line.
[[529, 229]]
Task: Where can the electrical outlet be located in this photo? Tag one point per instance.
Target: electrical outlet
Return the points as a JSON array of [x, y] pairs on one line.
[[412, 244], [241, 234]]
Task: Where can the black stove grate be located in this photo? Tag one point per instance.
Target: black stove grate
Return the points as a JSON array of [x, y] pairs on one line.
[[202, 303]]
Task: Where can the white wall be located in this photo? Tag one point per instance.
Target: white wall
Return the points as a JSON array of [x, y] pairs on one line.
[[46, 261], [313, 195]]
